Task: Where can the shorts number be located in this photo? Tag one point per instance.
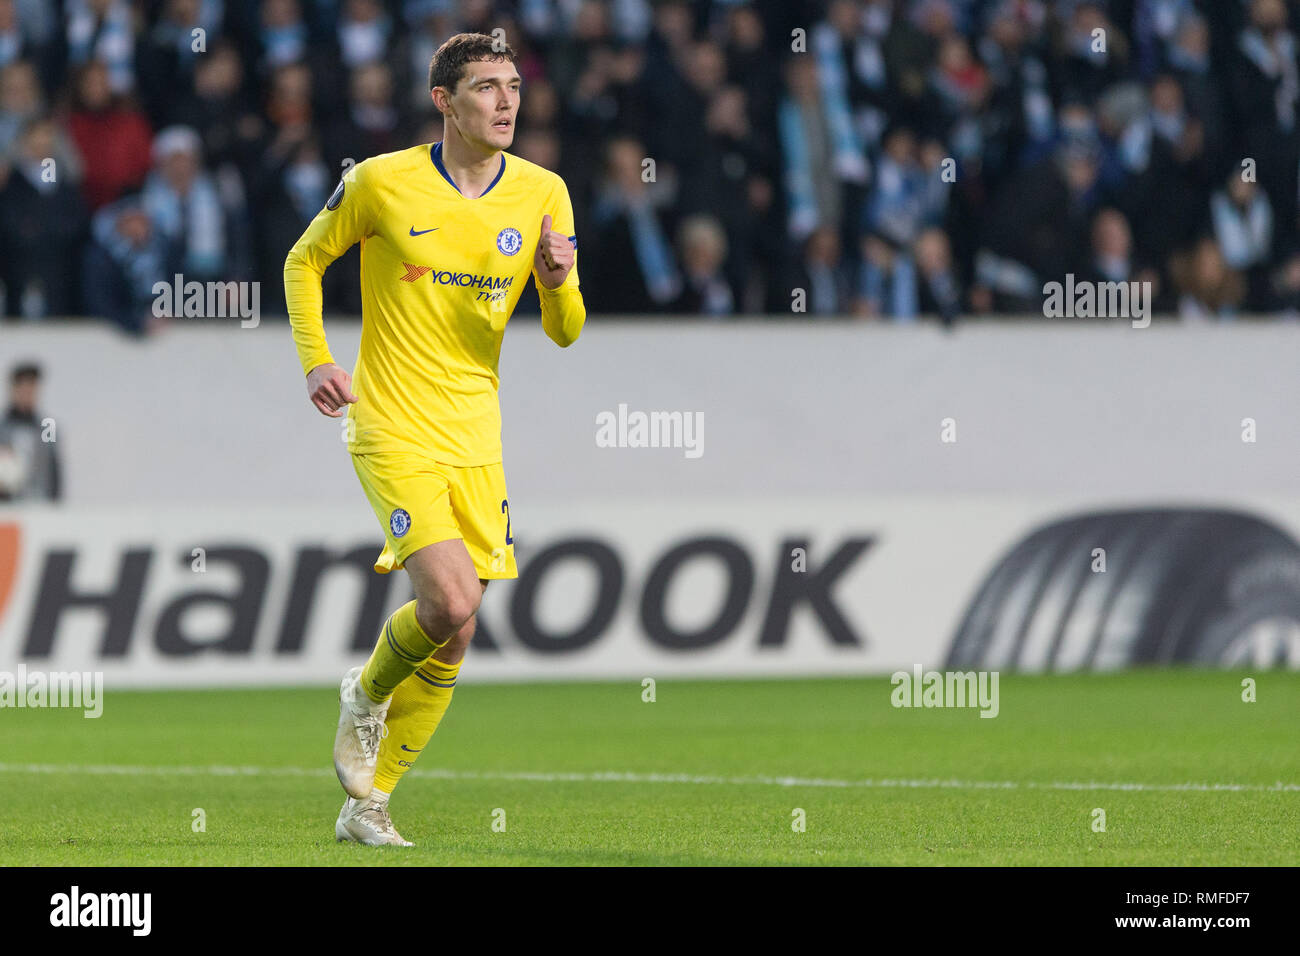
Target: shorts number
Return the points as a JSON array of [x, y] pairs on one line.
[[505, 510]]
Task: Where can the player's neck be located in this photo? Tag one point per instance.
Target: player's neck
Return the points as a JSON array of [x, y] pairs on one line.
[[471, 168]]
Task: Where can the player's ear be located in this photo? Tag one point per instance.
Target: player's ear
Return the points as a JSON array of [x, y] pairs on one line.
[[441, 100]]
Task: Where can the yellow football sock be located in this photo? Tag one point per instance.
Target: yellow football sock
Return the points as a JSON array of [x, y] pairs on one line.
[[402, 647], [417, 707]]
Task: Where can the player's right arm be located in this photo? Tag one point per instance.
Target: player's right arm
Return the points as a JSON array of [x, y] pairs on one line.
[[348, 217]]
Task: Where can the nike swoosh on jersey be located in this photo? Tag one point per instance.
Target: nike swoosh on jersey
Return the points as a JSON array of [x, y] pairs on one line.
[[423, 231], [409, 750]]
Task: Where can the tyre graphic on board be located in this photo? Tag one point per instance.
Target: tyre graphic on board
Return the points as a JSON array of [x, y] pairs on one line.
[[1208, 587]]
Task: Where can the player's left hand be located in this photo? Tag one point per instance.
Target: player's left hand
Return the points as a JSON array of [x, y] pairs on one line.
[[554, 256]]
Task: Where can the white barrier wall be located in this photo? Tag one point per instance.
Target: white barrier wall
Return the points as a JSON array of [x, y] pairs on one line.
[[637, 562], [218, 414]]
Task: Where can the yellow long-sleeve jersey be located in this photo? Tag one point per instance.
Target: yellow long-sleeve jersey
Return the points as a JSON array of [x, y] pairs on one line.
[[440, 277]]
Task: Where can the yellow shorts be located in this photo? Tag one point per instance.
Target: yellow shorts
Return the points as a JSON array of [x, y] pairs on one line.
[[420, 502]]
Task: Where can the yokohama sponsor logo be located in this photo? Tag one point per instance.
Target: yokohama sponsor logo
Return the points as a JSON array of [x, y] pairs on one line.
[[462, 279]]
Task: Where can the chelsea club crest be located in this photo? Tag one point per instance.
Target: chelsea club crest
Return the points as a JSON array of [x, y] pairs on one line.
[[399, 522], [509, 241]]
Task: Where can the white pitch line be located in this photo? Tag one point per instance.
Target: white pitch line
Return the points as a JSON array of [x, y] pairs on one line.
[[622, 777]]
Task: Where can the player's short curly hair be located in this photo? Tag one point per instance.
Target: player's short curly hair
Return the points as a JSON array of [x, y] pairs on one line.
[[447, 68]]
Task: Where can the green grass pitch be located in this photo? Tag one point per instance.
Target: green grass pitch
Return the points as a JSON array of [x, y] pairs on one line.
[[710, 773]]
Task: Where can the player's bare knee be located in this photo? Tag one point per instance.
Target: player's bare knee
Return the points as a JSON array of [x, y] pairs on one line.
[[437, 618], [445, 615], [461, 609]]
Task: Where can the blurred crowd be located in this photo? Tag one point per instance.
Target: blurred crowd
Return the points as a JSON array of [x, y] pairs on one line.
[[879, 158]]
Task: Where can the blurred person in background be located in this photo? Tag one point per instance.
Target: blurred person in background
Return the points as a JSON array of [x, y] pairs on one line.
[[820, 148], [1163, 149], [540, 146], [29, 463], [20, 100], [18, 41], [127, 256], [185, 205], [679, 125], [1243, 227], [1207, 288], [938, 286], [887, 280], [1086, 67], [705, 290], [717, 180], [748, 61], [166, 61], [369, 124], [102, 31], [1112, 247], [112, 137], [822, 274], [636, 270], [42, 219], [959, 85], [667, 46], [288, 191], [364, 32], [219, 108], [1038, 227], [1188, 61], [1265, 85], [1020, 100], [283, 34], [905, 199]]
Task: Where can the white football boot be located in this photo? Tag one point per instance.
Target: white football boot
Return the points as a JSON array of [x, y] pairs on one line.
[[356, 744], [368, 822]]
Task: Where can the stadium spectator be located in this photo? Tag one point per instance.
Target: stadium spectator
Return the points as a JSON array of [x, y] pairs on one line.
[[126, 257], [169, 56], [218, 107], [102, 31], [716, 181], [703, 247], [822, 276], [364, 33], [284, 34], [635, 270], [20, 100], [1265, 83], [1038, 227], [16, 43], [1243, 227], [1112, 248], [370, 124], [1207, 287], [289, 189], [29, 459], [112, 136], [820, 148], [939, 289], [42, 218], [1092, 51], [187, 208]]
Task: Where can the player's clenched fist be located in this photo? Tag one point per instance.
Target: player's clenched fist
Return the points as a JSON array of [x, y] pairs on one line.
[[554, 257], [330, 388]]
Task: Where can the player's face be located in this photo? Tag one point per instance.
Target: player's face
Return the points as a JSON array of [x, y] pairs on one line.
[[486, 103]]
